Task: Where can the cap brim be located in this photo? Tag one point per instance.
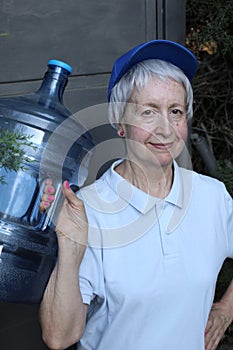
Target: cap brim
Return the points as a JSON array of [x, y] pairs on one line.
[[157, 49]]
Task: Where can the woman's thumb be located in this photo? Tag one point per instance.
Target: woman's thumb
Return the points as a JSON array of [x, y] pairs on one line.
[[69, 194]]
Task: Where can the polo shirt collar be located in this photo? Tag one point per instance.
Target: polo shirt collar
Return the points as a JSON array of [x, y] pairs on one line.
[[139, 199]]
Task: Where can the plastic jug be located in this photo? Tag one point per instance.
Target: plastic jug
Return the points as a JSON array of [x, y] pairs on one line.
[[39, 139]]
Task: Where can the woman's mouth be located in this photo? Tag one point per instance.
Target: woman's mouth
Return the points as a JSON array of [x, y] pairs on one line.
[[162, 146]]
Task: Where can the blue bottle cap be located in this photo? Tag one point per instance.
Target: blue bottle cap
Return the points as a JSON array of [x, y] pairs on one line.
[[60, 64]]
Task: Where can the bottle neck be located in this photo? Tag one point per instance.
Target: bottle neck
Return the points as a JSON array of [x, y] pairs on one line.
[[54, 83]]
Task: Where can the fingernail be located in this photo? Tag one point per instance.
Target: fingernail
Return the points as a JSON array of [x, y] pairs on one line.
[[50, 198], [67, 184], [50, 189], [46, 204]]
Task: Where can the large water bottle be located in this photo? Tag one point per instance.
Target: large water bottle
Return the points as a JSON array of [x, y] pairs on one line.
[[39, 139]]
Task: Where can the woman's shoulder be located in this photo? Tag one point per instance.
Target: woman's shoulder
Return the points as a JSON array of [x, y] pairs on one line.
[[206, 184]]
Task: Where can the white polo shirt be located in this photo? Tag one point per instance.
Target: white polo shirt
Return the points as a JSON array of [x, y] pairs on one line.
[[150, 269]]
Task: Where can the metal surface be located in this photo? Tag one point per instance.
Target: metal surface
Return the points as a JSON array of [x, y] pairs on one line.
[[87, 34]]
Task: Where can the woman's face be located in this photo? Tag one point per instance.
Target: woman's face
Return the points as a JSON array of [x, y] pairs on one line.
[[154, 123]]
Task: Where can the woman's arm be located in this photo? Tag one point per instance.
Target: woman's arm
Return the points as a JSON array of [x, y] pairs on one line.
[[62, 312]]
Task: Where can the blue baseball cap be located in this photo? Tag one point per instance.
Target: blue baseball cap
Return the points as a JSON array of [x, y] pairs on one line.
[[165, 50]]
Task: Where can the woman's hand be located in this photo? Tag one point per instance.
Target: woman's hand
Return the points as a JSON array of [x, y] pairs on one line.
[[72, 221], [219, 320]]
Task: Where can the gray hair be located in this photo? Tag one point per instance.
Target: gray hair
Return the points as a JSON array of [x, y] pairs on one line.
[[138, 77]]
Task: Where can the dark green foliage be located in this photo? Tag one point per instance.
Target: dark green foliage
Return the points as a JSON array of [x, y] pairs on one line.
[[210, 25], [209, 36]]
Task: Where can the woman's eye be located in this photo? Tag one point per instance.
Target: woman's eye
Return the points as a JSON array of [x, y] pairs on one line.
[[177, 113], [148, 112]]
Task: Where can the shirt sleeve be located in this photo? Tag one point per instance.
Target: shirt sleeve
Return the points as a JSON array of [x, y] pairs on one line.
[[92, 290], [91, 275]]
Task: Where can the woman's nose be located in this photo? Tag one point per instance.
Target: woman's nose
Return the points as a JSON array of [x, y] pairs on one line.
[[164, 126]]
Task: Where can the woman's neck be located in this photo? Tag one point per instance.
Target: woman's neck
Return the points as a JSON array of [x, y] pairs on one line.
[[157, 181]]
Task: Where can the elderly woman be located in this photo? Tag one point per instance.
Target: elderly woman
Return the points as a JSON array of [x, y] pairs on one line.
[[148, 238]]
